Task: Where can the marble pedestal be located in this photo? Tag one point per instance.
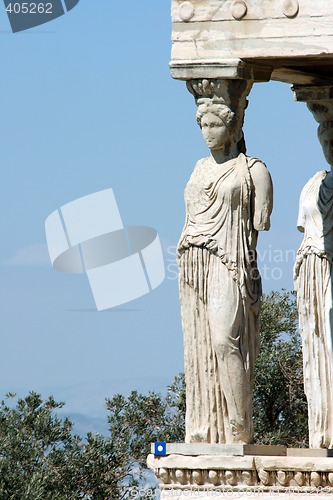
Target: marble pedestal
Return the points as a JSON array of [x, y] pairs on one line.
[[204, 472]]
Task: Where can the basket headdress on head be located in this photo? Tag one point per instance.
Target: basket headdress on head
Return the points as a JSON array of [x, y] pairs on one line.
[[224, 98], [323, 114]]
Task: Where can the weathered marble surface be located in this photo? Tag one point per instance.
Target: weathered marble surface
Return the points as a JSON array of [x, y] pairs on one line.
[[228, 200], [313, 279], [293, 38]]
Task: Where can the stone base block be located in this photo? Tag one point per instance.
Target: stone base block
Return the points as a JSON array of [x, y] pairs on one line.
[[248, 476], [309, 452], [198, 449]]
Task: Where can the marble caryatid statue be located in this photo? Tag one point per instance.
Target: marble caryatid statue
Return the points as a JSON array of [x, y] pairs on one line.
[[313, 283], [228, 200]]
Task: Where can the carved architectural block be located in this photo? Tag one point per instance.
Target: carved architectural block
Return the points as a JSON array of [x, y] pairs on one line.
[[292, 39], [201, 476]]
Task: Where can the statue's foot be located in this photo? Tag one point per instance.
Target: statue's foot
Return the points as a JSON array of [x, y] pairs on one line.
[[200, 436], [239, 434]]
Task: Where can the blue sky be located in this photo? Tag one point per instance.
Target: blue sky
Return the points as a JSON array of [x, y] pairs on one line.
[[87, 103]]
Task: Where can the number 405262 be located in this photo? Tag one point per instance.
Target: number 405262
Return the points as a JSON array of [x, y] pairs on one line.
[[29, 8]]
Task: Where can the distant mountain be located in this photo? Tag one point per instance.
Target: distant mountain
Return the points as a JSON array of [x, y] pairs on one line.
[[84, 424], [89, 398]]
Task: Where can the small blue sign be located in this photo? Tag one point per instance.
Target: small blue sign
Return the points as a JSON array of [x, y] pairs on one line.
[[160, 449]]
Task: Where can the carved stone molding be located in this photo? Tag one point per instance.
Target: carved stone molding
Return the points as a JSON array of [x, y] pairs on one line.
[[302, 474], [222, 69], [319, 99], [305, 93]]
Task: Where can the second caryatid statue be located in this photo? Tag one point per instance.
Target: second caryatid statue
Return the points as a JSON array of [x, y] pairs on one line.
[[228, 200], [314, 284]]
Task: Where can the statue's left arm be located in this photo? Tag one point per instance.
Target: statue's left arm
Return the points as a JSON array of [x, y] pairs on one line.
[[262, 196]]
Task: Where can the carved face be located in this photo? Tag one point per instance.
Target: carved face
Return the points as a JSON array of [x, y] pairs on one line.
[[326, 140], [215, 133]]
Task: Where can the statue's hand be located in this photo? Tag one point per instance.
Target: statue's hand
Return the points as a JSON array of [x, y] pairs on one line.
[[261, 220], [212, 246]]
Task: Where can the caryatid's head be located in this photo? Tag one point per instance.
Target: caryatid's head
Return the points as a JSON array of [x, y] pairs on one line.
[[221, 106]]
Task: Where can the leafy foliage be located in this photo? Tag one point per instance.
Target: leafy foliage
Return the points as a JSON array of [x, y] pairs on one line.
[[40, 458], [33, 447], [140, 420]]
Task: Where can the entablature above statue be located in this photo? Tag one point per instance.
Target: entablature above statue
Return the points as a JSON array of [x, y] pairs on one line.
[[289, 40]]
